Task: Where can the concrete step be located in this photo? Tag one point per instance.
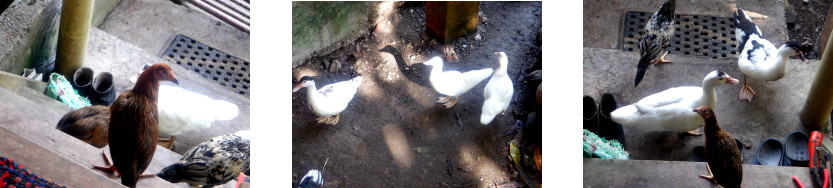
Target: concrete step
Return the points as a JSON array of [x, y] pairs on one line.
[[37, 124], [639, 173], [33, 116], [48, 164], [33, 91], [36, 111]]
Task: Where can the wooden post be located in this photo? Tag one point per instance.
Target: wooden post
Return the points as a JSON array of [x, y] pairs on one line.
[[820, 99], [450, 20], [76, 17]]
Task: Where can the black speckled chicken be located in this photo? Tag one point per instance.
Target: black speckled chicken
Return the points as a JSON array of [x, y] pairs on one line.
[[722, 154], [89, 124], [657, 37], [214, 162]]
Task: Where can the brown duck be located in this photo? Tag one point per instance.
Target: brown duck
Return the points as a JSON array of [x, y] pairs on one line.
[[722, 154]]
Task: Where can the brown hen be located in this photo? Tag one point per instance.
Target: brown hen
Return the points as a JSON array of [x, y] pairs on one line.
[[722, 154], [89, 124], [134, 124]]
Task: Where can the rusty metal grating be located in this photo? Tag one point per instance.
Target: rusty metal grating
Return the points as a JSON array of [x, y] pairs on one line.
[[227, 70], [694, 35]]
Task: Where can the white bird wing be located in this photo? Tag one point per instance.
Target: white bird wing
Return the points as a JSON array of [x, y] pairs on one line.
[[182, 110], [344, 90], [756, 50], [507, 90], [497, 94], [472, 78], [671, 96]]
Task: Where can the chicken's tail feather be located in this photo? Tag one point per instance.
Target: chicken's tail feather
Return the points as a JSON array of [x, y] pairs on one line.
[[747, 28], [640, 70], [667, 8]]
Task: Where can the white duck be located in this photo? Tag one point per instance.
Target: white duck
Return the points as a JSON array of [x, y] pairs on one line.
[[181, 110], [453, 83], [498, 91], [672, 109], [760, 59], [330, 100]]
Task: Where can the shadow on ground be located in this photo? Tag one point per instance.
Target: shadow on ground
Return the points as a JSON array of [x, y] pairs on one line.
[[392, 133]]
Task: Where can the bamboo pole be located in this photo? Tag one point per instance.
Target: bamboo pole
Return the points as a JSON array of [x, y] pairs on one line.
[[820, 99], [76, 17]]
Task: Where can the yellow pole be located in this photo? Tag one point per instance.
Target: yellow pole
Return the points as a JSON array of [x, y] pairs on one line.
[[76, 16], [820, 99]]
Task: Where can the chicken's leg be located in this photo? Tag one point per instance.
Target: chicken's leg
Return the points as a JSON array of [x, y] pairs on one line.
[[746, 92], [169, 141], [661, 59], [110, 167], [710, 176]]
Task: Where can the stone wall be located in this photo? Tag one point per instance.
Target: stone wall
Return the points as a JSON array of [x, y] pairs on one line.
[[29, 31], [322, 27]]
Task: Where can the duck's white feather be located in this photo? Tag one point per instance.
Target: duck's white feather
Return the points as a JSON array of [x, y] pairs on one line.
[[332, 99], [181, 110], [671, 110], [498, 92], [761, 60], [454, 83]]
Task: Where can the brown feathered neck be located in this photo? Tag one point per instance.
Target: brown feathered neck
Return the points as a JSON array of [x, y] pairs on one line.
[[148, 83], [710, 121]]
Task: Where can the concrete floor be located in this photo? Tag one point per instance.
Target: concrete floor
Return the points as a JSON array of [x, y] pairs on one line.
[[774, 113], [598, 15], [131, 36], [134, 22], [105, 52]]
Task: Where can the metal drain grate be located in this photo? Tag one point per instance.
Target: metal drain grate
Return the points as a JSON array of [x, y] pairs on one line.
[[211, 63], [694, 35]]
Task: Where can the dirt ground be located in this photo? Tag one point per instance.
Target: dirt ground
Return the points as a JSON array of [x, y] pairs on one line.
[[805, 22], [392, 133]]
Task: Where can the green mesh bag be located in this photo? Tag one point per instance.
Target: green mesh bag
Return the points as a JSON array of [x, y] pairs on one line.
[[597, 147], [59, 88]]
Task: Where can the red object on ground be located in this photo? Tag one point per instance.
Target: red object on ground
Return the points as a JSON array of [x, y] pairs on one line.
[[815, 140], [800, 185]]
